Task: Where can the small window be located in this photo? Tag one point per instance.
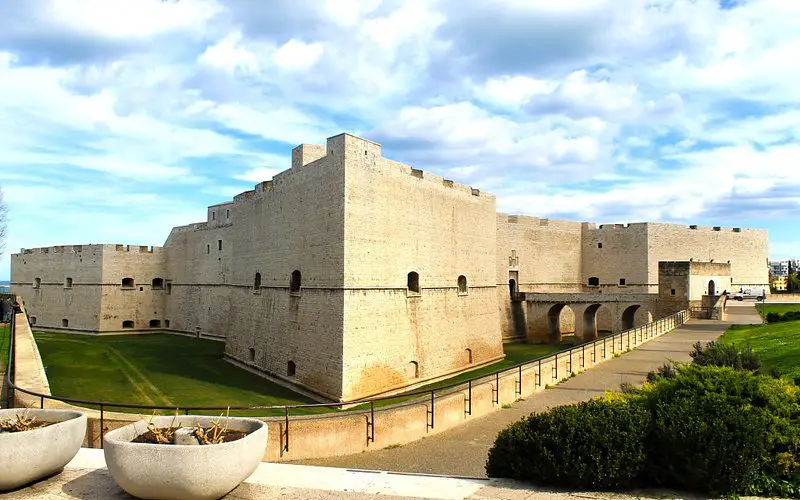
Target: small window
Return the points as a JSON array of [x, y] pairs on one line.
[[208, 249], [469, 356], [219, 245], [141, 289], [291, 369], [127, 324], [462, 284], [599, 245], [166, 323], [251, 354], [413, 282], [158, 283], [37, 282], [413, 369], [295, 282], [33, 320], [68, 283], [594, 281], [155, 323], [257, 283], [672, 292], [227, 214], [65, 322], [213, 215], [127, 282], [622, 282], [169, 288]]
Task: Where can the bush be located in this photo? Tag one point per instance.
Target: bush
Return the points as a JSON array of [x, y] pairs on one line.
[[774, 317], [594, 444], [722, 431], [719, 354], [667, 370]]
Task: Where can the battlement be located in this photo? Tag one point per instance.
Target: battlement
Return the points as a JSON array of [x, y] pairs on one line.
[[77, 249]]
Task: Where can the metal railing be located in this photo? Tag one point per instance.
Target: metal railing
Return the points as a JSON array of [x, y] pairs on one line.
[[632, 337]]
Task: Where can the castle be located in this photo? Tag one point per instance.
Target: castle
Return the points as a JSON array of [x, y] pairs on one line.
[[351, 275]]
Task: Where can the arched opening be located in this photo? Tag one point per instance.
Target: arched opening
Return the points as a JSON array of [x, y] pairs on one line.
[[251, 354], [127, 282], [560, 321], [512, 287], [65, 322], [413, 282], [33, 320], [158, 283], [590, 322], [155, 323], [257, 282], [629, 317], [413, 369], [294, 284], [712, 288], [594, 281], [468, 355], [462, 284], [68, 283], [127, 324], [291, 368]]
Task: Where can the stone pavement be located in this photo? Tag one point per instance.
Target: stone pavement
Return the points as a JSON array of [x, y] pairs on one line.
[[87, 478], [463, 451]]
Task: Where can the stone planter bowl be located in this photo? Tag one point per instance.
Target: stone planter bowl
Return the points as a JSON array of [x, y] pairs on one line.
[[30, 455], [186, 472]]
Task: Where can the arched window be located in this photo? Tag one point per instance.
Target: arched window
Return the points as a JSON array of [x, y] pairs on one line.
[[127, 282], [158, 283], [469, 355], [712, 288], [155, 323], [291, 369], [251, 354], [65, 322], [257, 282], [294, 284], [594, 281], [413, 369], [127, 324], [462, 284], [413, 282], [512, 287]]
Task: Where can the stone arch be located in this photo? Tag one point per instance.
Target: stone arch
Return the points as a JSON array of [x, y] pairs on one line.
[[629, 317], [590, 322], [712, 288], [560, 320]]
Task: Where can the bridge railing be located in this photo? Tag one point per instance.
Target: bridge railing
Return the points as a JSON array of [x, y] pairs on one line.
[[561, 364]]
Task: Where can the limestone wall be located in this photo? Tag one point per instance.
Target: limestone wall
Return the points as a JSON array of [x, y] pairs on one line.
[[400, 220], [615, 252]]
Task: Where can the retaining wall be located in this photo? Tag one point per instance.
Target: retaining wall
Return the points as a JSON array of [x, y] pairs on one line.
[[358, 431]]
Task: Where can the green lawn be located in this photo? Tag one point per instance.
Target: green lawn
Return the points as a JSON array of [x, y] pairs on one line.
[[777, 344], [765, 309], [5, 338], [172, 370]]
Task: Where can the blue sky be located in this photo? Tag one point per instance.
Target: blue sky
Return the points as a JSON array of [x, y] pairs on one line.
[[120, 120]]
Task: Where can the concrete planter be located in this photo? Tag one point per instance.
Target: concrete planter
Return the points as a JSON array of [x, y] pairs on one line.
[[164, 472], [30, 455]]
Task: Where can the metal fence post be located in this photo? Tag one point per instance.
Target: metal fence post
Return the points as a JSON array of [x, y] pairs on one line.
[[102, 426], [286, 429]]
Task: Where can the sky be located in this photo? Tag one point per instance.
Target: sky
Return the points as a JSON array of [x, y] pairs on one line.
[[120, 120]]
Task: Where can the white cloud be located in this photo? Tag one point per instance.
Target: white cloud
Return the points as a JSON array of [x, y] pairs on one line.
[[296, 55]]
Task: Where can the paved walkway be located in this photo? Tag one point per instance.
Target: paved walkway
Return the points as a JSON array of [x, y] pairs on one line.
[[463, 451]]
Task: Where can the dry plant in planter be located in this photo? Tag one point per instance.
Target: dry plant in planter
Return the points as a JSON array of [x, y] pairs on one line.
[[185, 457], [37, 443]]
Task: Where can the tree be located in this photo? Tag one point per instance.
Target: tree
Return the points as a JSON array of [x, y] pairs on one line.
[[3, 222], [790, 286]]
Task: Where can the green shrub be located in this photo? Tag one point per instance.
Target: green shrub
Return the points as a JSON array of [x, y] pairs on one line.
[[723, 431], [719, 354], [594, 444], [774, 317]]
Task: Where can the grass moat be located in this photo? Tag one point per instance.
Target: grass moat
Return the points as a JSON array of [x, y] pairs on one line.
[[177, 371]]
